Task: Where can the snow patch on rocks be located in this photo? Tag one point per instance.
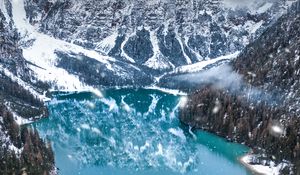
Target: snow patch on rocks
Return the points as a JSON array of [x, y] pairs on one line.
[[271, 169]]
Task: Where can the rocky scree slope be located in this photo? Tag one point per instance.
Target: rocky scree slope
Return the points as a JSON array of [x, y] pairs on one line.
[[270, 65]]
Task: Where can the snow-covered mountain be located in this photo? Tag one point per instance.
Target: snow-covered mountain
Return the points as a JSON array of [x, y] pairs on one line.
[[260, 106], [183, 31], [118, 43], [82, 45]]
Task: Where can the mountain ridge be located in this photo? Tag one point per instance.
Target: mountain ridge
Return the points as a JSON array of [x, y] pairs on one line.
[[270, 66]]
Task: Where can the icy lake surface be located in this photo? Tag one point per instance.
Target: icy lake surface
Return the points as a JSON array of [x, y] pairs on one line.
[[132, 131]]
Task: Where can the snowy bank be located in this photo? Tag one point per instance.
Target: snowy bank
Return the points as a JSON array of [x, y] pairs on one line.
[[271, 169]]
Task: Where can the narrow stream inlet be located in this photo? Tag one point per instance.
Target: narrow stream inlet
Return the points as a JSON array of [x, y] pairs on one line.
[[134, 132]]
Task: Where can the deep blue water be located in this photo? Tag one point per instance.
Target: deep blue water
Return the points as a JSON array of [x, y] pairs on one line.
[[132, 131]]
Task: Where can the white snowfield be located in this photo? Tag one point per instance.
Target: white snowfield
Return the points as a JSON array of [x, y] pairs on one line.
[[157, 61], [196, 67], [255, 7], [42, 54], [107, 43]]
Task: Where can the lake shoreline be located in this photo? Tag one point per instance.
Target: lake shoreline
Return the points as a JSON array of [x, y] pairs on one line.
[[259, 169], [247, 165]]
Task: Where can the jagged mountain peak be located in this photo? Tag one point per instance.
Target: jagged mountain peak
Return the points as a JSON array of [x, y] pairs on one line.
[[89, 22]]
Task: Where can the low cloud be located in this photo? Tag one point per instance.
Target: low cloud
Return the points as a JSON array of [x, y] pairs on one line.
[[224, 77], [238, 3], [245, 3]]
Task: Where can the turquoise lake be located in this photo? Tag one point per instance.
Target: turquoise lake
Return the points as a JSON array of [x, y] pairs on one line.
[[134, 132]]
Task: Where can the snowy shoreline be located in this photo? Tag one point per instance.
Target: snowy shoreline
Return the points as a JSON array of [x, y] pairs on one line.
[[248, 166], [259, 169]]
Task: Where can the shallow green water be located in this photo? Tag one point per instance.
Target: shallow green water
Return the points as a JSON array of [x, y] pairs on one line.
[[132, 131]]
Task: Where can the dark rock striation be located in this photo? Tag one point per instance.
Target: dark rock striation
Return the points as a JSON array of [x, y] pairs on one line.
[[194, 29]]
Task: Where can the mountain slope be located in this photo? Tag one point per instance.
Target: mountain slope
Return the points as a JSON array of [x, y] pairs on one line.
[[126, 43], [270, 68], [183, 31], [273, 61], [22, 151], [21, 102]]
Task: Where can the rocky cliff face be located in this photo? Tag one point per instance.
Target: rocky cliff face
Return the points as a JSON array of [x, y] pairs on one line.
[[182, 31], [269, 65]]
